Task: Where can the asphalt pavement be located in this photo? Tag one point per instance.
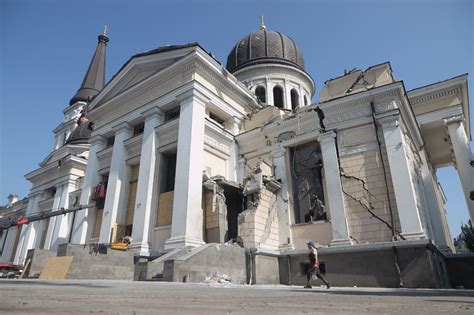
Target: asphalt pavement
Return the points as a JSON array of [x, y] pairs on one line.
[[128, 297]]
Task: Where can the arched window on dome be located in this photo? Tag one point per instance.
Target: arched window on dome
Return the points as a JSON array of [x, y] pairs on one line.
[[260, 93], [278, 97], [305, 100], [295, 99]]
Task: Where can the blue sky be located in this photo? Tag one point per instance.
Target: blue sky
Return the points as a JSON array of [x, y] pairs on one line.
[[46, 46]]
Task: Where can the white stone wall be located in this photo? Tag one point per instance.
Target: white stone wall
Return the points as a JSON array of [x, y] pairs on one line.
[[258, 227]]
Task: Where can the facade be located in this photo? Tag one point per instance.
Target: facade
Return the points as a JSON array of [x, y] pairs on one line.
[[177, 150]]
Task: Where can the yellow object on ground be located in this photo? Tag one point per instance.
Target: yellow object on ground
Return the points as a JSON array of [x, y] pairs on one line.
[[120, 246]]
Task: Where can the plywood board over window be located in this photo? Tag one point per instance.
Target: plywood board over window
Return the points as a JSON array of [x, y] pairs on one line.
[[97, 223], [132, 198], [165, 209]]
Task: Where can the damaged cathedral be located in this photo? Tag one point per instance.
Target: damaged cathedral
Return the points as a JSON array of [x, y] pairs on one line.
[[204, 168]]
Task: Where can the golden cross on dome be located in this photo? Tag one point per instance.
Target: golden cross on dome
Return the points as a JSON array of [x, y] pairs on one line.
[[262, 26]]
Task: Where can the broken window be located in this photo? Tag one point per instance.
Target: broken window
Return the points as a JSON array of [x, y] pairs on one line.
[[308, 190]]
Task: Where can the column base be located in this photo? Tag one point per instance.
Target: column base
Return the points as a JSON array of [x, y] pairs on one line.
[[286, 247], [182, 241], [341, 242], [141, 249]]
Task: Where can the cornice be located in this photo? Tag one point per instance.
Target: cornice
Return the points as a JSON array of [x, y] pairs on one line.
[[434, 96]]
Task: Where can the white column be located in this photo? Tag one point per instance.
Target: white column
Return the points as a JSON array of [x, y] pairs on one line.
[[269, 90], [463, 156], [402, 182], [52, 220], [186, 227], [147, 186], [63, 222], [301, 94], [333, 184], [287, 95], [435, 207], [84, 219], [9, 244], [29, 231], [283, 207], [119, 175]]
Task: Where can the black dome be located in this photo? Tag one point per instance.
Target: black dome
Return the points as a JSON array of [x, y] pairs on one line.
[[264, 47]]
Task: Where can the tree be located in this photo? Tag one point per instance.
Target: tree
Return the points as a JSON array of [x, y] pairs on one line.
[[467, 235]]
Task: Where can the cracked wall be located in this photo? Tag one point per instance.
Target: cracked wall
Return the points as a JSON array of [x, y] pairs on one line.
[[362, 225], [258, 226]]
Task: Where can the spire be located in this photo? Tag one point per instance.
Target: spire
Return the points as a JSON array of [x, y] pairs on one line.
[[94, 79], [262, 23]]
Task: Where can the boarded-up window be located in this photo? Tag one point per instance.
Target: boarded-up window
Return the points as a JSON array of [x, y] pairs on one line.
[[165, 209], [98, 223], [132, 195]]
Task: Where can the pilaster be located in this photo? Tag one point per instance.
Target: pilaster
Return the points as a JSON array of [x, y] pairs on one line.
[[280, 163], [333, 184], [269, 91], [395, 144]]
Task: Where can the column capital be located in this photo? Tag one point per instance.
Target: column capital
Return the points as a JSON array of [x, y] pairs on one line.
[[389, 121], [97, 140], [153, 112], [327, 137], [121, 127], [193, 95], [454, 119], [278, 152]]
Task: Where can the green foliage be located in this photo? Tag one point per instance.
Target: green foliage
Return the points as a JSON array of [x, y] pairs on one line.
[[467, 235]]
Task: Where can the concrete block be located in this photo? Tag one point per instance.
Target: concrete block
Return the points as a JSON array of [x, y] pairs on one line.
[[38, 259], [205, 261]]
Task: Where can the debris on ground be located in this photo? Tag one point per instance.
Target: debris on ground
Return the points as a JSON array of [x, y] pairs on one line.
[[217, 278]]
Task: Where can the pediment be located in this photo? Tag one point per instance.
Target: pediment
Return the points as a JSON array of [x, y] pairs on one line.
[[63, 152], [138, 69]]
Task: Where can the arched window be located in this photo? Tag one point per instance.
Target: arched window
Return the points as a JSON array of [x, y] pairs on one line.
[[305, 100], [260, 93], [295, 99], [278, 96]]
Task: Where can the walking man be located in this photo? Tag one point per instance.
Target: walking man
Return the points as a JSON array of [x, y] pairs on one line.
[[314, 267]]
